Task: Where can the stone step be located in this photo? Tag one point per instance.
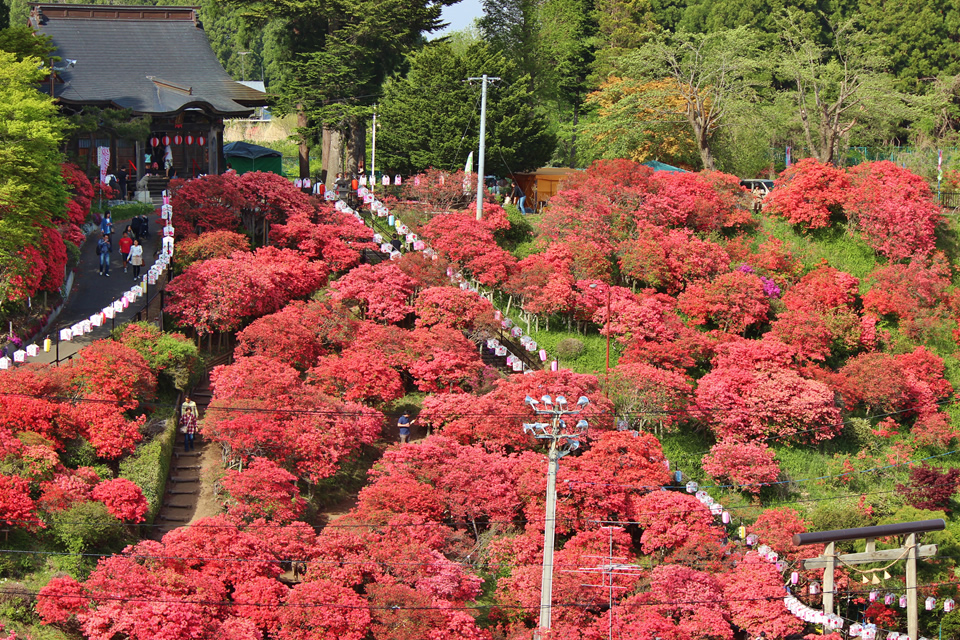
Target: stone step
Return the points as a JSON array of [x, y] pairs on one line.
[[187, 454], [183, 492], [183, 479], [192, 467], [167, 518], [170, 505]]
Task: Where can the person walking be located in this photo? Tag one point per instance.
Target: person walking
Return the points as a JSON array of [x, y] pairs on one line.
[[103, 250], [136, 258], [125, 243], [519, 198], [122, 182], [106, 225], [404, 424], [189, 415]]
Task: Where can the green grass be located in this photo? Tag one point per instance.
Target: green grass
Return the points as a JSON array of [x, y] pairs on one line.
[[836, 245]]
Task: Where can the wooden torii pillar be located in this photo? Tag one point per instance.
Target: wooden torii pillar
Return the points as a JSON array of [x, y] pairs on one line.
[[909, 551]]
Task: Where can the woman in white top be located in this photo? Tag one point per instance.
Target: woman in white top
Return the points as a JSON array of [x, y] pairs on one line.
[[136, 258]]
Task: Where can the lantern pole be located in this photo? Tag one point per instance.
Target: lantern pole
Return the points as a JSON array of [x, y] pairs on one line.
[[563, 440], [373, 152]]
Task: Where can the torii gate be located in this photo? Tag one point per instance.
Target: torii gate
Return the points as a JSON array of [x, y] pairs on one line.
[[910, 550]]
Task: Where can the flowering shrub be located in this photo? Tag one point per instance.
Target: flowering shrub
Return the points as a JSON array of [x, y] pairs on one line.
[[750, 466], [809, 193]]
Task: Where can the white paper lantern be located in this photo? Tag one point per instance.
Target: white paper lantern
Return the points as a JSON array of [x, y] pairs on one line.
[[501, 350], [930, 603], [118, 306], [554, 365], [716, 508], [5, 363], [856, 629], [66, 334], [531, 346], [96, 320], [724, 517], [948, 604], [794, 577], [888, 599], [33, 350], [903, 601], [19, 355], [109, 312], [419, 245], [543, 355], [814, 587], [763, 550], [517, 365], [692, 487], [869, 632], [873, 595], [516, 332]]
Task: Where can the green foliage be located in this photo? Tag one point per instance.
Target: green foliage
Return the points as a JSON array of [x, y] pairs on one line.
[[520, 231], [835, 514], [86, 526], [32, 194], [174, 357], [571, 348], [426, 115], [841, 249], [149, 465], [21, 41], [79, 453], [128, 210]]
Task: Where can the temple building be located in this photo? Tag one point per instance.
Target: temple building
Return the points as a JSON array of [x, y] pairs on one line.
[[156, 61]]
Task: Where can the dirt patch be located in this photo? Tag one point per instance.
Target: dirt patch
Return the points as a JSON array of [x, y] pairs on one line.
[[211, 470]]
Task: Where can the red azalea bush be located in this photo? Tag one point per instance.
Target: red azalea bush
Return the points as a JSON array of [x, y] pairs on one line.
[[263, 490], [223, 294], [809, 193], [748, 466], [893, 209], [734, 302], [123, 499], [382, 291]]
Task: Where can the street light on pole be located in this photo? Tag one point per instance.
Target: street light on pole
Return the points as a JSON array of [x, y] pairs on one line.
[[563, 440]]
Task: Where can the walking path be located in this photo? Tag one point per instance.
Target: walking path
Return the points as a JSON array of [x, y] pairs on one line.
[[92, 292], [187, 497]]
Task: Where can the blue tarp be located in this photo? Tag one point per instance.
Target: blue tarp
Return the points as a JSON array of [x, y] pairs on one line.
[[660, 166]]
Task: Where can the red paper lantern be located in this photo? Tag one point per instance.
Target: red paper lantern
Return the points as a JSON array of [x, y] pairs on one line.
[[166, 140], [154, 141], [189, 139], [201, 140], [177, 139]]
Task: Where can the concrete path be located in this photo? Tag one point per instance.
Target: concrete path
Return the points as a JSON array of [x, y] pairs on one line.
[[92, 292]]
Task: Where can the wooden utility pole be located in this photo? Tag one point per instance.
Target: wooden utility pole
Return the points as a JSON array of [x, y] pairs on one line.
[[910, 551]]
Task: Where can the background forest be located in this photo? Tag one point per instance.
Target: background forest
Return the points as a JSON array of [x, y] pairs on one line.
[[581, 80]]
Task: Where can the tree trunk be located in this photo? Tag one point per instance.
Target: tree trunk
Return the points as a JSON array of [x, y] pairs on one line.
[[302, 124], [332, 146], [356, 144], [573, 134]]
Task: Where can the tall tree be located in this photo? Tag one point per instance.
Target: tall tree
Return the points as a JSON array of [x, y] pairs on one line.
[[837, 87], [32, 194], [430, 117], [711, 72], [334, 56]]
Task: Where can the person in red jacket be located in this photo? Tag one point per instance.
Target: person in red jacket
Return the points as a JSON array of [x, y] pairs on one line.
[[125, 243]]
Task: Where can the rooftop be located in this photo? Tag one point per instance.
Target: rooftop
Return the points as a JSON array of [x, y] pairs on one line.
[[152, 59]]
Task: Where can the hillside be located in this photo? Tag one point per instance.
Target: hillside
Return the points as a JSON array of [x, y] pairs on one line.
[[797, 363]]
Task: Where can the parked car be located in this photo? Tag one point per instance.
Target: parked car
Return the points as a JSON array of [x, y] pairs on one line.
[[765, 186]]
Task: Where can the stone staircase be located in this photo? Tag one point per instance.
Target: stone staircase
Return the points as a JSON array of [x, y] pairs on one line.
[[185, 479]]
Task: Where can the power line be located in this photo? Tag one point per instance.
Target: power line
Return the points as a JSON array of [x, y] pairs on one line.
[[317, 605]]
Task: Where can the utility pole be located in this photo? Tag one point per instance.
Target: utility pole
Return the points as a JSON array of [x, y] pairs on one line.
[[483, 139], [373, 152], [243, 63], [563, 440]]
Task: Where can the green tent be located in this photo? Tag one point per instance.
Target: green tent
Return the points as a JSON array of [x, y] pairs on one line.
[[244, 157]]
